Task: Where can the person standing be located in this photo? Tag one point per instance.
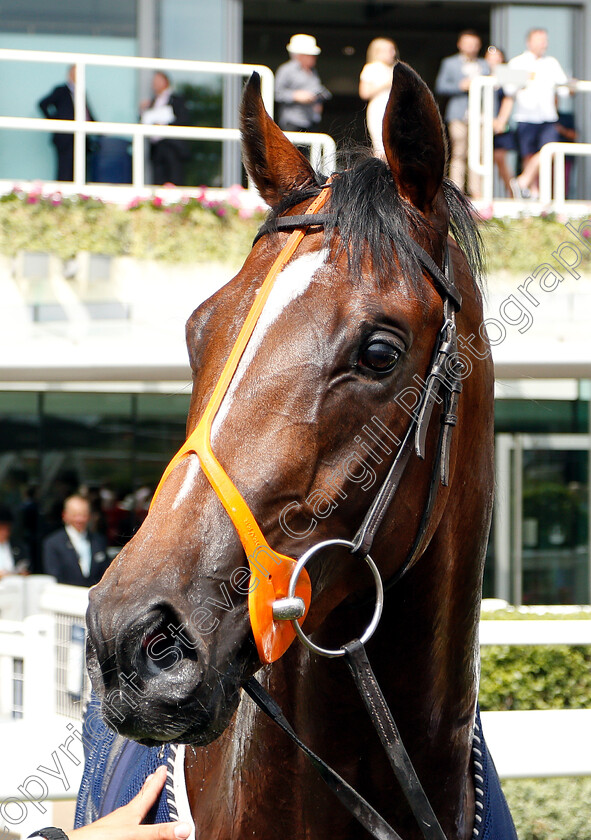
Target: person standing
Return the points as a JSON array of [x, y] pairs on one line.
[[375, 82], [298, 89], [453, 80], [59, 105], [504, 141], [73, 554], [166, 153], [534, 108]]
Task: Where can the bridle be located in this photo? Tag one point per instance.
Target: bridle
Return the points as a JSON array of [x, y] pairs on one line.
[[445, 374], [282, 594]]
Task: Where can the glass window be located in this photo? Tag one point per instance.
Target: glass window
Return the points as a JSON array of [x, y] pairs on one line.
[[113, 447], [192, 30], [85, 17], [558, 20], [535, 415], [86, 443], [161, 423], [20, 468], [555, 526]]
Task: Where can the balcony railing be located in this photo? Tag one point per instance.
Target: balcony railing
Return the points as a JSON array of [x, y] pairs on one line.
[[481, 148], [322, 147]]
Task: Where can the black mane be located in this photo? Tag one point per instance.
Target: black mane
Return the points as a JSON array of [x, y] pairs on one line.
[[371, 217]]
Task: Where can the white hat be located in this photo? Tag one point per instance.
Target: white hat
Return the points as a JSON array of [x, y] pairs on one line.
[[303, 45]]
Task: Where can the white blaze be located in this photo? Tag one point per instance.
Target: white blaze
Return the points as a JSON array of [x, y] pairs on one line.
[[290, 284], [192, 464]]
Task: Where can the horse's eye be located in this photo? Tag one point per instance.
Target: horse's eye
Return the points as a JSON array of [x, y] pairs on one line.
[[379, 354]]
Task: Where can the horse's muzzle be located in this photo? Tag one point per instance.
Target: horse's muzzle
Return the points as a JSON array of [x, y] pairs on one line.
[[154, 677]]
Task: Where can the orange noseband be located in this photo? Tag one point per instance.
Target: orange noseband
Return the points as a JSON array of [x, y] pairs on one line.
[[270, 571]]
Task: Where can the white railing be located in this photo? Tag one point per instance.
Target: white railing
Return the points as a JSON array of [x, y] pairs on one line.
[[481, 146], [26, 650], [480, 132], [535, 632], [322, 147], [540, 743], [554, 153], [42, 669]]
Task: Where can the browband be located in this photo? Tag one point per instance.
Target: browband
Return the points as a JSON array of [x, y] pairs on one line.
[[305, 220], [308, 220]]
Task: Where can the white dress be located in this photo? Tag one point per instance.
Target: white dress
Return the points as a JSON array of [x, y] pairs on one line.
[[378, 75]]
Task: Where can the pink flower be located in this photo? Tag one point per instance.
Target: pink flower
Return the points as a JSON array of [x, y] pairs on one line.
[[235, 195], [157, 201], [487, 212]]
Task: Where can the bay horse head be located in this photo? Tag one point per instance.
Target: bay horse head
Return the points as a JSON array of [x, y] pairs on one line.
[[353, 357]]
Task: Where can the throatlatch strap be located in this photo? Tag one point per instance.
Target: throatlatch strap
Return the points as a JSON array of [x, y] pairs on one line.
[[269, 568]]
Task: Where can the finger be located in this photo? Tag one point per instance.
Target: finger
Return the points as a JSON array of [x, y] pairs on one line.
[[180, 831], [164, 831], [149, 792]]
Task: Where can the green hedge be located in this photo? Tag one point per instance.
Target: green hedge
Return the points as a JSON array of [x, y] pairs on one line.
[[532, 677], [550, 809], [541, 677], [522, 244], [197, 230], [192, 230], [535, 676]]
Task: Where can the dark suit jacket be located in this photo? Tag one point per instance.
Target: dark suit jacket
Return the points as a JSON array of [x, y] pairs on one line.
[[59, 105], [181, 117], [447, 84], [60, 559]]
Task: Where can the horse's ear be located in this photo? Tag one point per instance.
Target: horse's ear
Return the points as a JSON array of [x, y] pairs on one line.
[[274, 164], [414, 139]]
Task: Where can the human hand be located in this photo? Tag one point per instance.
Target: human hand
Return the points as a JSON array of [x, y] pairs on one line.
[[568, 133], [465, 83], [499, 126], [125, 822], [304, 97]]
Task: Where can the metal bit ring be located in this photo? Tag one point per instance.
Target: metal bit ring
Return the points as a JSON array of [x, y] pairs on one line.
[[379, 597]]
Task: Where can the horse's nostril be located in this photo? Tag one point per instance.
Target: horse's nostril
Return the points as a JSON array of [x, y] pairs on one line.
[[165, 646], [161, 653]]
